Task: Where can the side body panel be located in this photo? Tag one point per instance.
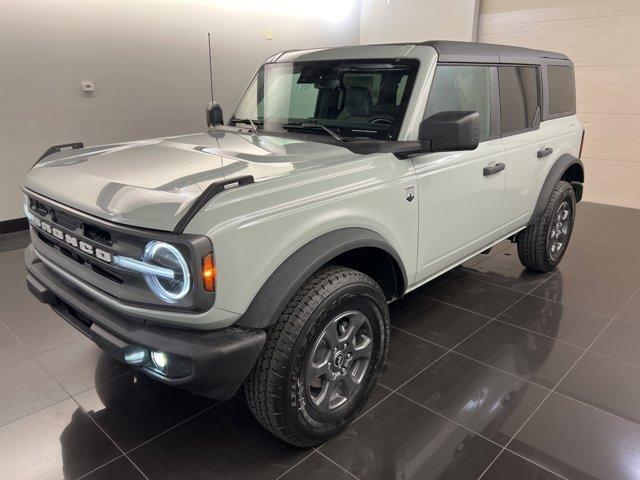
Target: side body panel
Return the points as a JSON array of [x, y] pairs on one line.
[[526, 172], [460, 208], [254, 229]]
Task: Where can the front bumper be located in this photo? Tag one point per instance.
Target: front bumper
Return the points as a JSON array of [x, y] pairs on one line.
[[219, 360]]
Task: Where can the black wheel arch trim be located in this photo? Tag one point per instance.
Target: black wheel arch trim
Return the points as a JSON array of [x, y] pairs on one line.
[[559, 168], [280, 287]]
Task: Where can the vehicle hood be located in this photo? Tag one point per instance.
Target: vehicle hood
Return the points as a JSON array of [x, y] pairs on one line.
[[152, 183]]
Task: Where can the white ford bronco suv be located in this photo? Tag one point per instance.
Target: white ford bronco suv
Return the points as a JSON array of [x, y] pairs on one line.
[[264, 252]]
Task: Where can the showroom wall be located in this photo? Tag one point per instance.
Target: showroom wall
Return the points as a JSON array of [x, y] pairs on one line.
[[603, 39], [418, 20], [148, 61]]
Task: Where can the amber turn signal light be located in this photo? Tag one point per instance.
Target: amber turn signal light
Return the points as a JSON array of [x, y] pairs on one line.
[[209, 273]]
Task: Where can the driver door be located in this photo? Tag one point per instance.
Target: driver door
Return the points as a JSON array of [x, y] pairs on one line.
[[461, 193]]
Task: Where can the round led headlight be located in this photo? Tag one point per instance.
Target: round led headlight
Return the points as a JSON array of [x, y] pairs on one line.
[[170, 289]]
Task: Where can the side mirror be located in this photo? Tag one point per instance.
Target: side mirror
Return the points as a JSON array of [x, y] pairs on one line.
[[213, 114], [450, 131]]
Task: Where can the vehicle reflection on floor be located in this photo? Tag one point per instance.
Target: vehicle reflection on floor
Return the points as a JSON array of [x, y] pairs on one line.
[[488, 356]]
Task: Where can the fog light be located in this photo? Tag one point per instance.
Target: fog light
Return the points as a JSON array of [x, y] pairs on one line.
[[171, 366], [134, 355], [160, 360]]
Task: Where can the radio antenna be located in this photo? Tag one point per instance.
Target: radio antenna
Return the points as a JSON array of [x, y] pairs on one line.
[[210, 67]]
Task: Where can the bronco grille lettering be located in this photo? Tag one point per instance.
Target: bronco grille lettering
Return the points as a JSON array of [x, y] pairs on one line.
[[72, 241]]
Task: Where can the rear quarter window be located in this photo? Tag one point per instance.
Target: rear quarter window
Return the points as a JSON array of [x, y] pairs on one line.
[[562, 95], [519, 97]]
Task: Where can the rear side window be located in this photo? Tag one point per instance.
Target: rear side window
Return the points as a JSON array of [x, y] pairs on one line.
[[519, 97], [562, 95], [462, 88]]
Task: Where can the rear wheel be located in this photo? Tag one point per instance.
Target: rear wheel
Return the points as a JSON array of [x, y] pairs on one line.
[[322, 357], [542, 245]]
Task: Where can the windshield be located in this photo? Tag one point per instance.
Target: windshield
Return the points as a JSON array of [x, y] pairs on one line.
[[355, 99]]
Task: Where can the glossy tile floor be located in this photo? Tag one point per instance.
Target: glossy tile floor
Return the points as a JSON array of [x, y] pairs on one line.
[[493, 373]]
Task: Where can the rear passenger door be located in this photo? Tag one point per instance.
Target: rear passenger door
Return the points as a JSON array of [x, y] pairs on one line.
[[525, 140], [460, 202]]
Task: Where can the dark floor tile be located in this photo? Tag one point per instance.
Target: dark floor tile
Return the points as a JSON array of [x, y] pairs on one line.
[[589, 229], [80, 365], [620, 275], [435, 321], [25, 388], [57, 442], [11, 349], [474, 295], [620, 340], [580, 442], [317, 467], [556, 320], [6, 246], [21, 239], [485, 400], [399, 439], [224, 442], [506, 274], [12, 269], [14, 241], [407, 356], [509, 466], [34, 323], [606, 212], [625, 237], [631, 311], [134, 408], [628, 257], [120, 469], [583, 293], [379, 393], [539, 359], [607, 384]]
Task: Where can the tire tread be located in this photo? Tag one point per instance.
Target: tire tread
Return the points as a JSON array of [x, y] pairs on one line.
[[532, 241], [266, 384]]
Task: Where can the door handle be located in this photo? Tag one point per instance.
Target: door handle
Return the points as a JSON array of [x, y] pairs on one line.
[[545, 152], [493, 169]]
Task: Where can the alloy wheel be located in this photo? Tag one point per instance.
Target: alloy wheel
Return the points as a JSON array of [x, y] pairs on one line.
[[339, 360]]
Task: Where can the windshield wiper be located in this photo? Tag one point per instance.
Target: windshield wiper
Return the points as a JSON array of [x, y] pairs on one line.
[[254, 127], [313, 126]]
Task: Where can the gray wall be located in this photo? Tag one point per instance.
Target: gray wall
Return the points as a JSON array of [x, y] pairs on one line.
[[418, 20], [148, 61]]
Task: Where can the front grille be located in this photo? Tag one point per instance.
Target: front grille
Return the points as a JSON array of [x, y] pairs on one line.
[[97, 234], [39, 207], [65, 220], [85, 246], [107, 274]]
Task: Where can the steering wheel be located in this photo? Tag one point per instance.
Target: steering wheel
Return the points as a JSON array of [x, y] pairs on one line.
[[381, 120]]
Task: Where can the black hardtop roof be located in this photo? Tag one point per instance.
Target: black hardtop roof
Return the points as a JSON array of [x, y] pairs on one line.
[[451, 51]]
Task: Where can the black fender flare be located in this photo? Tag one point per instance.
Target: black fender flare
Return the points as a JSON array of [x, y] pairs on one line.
[[273, 296], [561, 165]]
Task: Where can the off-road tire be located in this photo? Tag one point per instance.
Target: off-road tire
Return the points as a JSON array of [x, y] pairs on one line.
[[275, 389], [534, 245]]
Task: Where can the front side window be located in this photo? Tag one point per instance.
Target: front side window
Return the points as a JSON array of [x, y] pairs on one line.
[[358, 99], [462, 88], [519, 97], [562, 94]]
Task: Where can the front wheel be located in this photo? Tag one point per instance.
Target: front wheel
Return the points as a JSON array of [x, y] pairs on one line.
[[322, 357], [542, 245]]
